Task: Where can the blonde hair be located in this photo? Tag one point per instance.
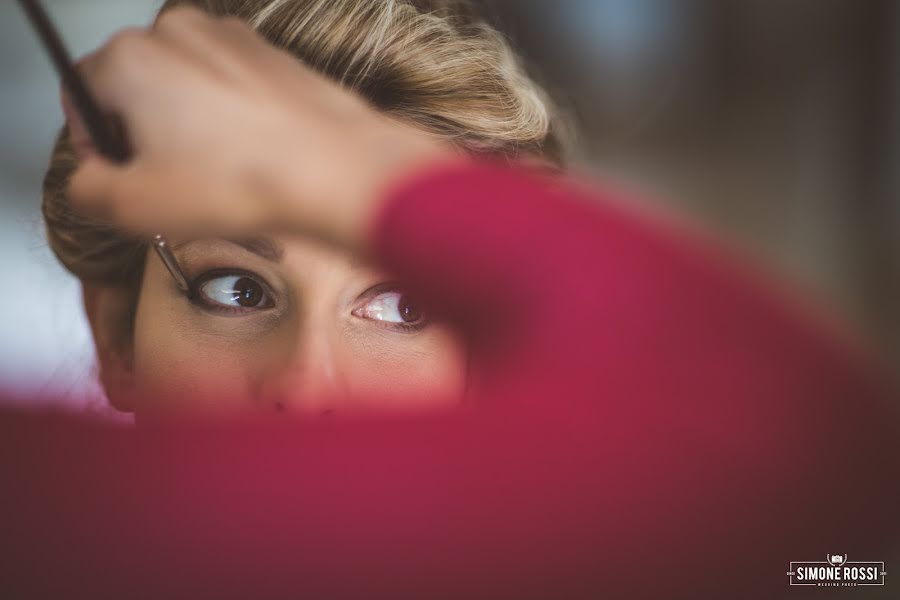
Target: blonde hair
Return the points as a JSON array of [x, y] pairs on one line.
[[432, 63]]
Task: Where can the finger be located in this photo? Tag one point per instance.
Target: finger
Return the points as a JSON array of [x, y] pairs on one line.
[[222, 44], [115, 194], [227, 42], [115, 73], [133, 198], [184, 27], [93, 186]]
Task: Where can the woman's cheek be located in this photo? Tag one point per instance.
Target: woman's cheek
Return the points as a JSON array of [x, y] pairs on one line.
[[427, 371], [181, 372], [185, 362]]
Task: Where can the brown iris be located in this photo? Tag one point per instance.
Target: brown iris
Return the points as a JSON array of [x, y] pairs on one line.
[[247, 292], [409, 312]]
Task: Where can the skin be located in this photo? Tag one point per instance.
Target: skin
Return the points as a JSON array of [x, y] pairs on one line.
[[327, 337], [232, 137]]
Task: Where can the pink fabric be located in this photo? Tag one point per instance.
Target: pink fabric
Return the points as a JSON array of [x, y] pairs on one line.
[[647, 420]]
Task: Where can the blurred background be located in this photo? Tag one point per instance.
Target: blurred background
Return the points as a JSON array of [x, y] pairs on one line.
[[775, 122]]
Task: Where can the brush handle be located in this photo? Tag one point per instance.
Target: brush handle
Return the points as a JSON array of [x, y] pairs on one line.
[[106, 135]]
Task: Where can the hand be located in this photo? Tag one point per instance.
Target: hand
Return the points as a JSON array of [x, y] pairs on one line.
[[230, 135]]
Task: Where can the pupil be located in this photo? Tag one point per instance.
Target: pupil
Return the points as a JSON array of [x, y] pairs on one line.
[[248, 293], [409, 312]]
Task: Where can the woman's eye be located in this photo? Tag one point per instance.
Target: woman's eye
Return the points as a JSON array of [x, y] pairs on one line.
[[392, 307], [235, 291]]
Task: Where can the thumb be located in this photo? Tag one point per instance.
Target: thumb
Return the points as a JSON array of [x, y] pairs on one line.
[[121, 194]]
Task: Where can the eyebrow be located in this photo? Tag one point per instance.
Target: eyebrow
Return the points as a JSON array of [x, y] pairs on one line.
[[265, 247]]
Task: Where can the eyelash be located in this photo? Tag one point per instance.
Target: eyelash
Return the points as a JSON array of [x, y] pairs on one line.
[[198, 298], [402, 327]]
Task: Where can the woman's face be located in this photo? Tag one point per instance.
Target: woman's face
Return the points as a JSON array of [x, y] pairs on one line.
[[285, 324]]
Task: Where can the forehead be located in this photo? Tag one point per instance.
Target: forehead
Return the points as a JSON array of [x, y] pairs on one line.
[[303, 253], [313, 255]]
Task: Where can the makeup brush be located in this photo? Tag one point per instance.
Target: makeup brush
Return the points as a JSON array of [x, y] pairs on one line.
[[106, 136]]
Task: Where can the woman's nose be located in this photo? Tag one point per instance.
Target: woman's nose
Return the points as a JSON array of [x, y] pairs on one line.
[[305, 380]]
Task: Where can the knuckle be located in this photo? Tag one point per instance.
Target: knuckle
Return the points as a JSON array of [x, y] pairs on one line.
[[83, 195], [235, 24], [75, 188], [126, 42], [125, 49], [178, 17]]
